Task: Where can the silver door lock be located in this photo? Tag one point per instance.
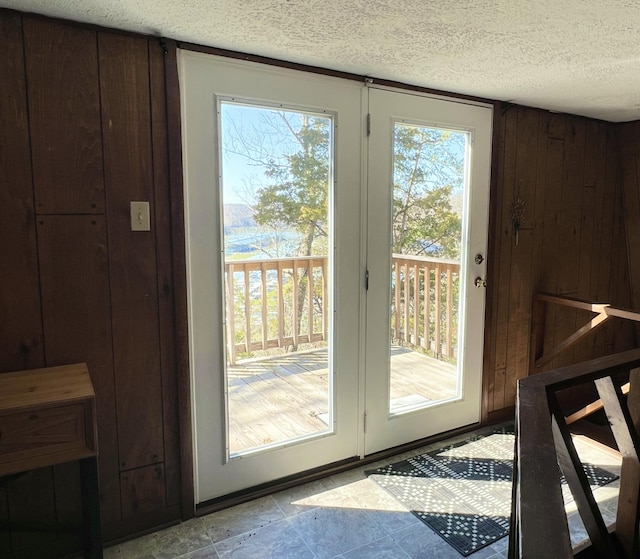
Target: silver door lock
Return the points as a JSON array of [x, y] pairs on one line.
[[479, 259], [481, 282]]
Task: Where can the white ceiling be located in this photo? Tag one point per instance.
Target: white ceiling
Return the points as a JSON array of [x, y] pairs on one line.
[[576, 56]]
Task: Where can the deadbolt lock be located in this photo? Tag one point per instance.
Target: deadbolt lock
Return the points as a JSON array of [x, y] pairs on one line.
[[479, 259]]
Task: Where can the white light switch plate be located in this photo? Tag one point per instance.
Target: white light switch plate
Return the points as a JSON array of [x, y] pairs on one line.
[[140, 220]]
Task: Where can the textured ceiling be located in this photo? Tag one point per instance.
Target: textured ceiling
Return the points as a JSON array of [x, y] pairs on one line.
[[577, 56]]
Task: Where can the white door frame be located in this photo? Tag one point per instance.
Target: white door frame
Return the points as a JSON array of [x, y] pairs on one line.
[[203, 80], [387, 107]]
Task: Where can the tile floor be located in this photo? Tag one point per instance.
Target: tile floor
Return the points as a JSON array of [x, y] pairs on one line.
[[345, 516]]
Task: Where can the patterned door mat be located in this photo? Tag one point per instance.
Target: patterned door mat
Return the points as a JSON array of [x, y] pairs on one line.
[[463, 491]]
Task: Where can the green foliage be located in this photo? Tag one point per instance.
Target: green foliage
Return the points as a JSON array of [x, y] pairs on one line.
[[296, 193], [427, 173], [294, 154]]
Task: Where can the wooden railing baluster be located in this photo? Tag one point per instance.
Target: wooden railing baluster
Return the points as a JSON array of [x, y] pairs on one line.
[[265, 318], [296, 291], [624, 431], [247, 311], [310, 298], [427, 307], [325, 301], [579, 484], [231, 321], [396, 267], [280, 281], [438, 307], [539, 523], [411, 296], [416, 305], [406, 330], [449, 296]]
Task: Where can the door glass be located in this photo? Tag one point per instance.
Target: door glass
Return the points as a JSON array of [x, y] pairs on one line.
[[428, 185], [277, 179]]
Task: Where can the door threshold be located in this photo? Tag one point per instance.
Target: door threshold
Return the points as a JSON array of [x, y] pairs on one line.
[[251, 493]]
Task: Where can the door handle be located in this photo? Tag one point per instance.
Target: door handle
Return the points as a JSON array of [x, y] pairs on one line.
[[480, 282]]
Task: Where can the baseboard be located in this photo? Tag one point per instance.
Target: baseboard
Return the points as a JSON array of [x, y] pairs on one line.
[[498, 416]]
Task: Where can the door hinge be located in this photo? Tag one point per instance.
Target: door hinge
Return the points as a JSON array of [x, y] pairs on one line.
[[368, 124], [366, 280], [365, 423]]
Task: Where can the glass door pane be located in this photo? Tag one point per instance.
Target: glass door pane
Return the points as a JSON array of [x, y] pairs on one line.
[[427, 206], [276, 190], [428, 197], [273, 171]]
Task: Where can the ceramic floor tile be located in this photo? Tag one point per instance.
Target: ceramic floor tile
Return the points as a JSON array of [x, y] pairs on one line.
[[421, 542], [501, 545], [356, 474], [242, 518], [350, 476], [330, 531], [346, 516], [113, 552], [208, 552], [501, 555], [168, 544], [384, 548], [279, 540], [304, 497], [389, 513]]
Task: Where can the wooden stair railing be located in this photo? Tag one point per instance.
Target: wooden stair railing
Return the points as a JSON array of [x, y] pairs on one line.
[[603, 312], [593, 407], [539, 526]]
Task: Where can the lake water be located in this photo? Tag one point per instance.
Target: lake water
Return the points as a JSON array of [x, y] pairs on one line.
[[256, 242]]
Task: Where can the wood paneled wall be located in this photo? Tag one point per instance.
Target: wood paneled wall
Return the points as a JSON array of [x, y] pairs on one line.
[[571, 241], [83, 132], [629, 141]]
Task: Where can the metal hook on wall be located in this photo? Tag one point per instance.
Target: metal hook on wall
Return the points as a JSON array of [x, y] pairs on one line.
[[517, 213]]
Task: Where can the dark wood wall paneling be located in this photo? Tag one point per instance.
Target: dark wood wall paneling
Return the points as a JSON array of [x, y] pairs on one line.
[[83, 132], [629, 143], [571, 241]]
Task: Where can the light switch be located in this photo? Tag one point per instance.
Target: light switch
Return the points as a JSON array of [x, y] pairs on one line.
[[140, 216]]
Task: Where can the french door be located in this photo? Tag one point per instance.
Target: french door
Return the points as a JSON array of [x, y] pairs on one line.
[[272, 202], [332, 306], [427, 207]]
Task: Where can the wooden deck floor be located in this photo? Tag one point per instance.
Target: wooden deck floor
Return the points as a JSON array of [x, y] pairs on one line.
[[281, 398]]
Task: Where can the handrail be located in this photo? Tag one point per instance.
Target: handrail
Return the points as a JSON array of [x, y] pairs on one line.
[[603, 312], [593, 407], [543, 441], [268, 303]]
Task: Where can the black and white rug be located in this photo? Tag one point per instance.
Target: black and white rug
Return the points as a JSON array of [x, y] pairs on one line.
[[463, 491]]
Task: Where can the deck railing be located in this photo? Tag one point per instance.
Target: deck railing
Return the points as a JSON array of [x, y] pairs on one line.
[[424, 309], [275, 302], [282, 302]]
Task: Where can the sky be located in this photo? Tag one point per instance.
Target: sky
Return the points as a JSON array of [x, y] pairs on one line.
[[259, 132]]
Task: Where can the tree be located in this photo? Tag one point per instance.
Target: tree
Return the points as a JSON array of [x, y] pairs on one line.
[[296, 195], [428, 170], [292, 151]]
